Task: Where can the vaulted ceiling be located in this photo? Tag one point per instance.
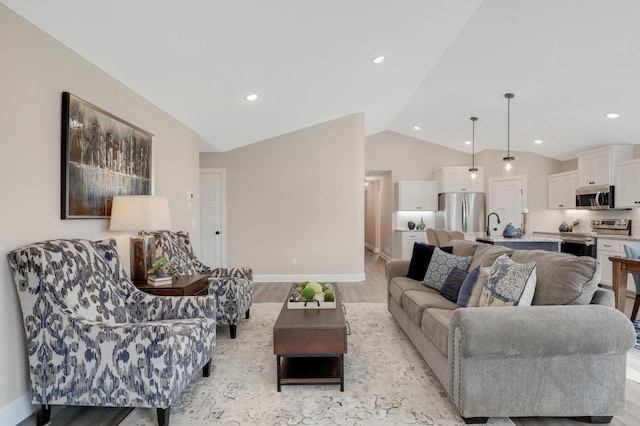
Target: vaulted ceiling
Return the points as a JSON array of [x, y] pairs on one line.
[[568, 63]]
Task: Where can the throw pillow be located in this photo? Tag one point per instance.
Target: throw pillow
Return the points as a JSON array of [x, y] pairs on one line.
[[420, 259], [477, 289], [452, 284], [467, 286], [507, 283], [441, 265]]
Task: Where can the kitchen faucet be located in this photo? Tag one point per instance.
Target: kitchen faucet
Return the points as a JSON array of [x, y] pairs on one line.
[[488, 216]]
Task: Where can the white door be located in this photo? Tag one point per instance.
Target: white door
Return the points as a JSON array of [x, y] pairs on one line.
[[506, 197], [212, 215]]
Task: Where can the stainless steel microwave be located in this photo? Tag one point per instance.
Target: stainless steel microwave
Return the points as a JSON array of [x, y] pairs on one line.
[[595, 197]]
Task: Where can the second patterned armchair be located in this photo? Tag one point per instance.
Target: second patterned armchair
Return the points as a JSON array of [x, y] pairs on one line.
[[233, 287]]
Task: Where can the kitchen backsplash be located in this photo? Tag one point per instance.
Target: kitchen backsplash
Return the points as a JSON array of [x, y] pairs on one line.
[[403, 217], [550, 220]]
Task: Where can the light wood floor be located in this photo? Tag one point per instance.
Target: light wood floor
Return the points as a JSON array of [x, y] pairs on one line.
[[372, 290]]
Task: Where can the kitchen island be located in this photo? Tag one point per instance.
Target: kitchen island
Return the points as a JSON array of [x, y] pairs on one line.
[[521, 243]]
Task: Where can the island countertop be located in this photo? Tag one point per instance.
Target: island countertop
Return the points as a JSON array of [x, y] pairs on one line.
[[482, 237], [521, 243]]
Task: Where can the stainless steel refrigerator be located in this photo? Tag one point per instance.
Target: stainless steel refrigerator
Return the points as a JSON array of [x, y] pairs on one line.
[[461, 211]]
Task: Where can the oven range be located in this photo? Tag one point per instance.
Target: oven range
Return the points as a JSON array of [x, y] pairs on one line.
[[584, 244]]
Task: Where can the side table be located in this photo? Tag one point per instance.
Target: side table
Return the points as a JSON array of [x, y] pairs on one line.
[[184, 285]]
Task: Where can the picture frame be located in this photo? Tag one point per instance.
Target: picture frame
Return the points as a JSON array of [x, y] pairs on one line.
[[102, 156]]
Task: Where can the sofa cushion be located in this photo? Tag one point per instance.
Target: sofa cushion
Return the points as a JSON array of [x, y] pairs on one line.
[[465, 248], [464, 294], [399, 285], [487, 254], [507, 283], [562, 278], [435, 324], [441, 266], [452, 284], [414, 302], [420, 259]]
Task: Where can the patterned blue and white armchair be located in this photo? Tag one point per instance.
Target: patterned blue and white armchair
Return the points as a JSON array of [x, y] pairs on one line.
[[233, 287], [93, 339]]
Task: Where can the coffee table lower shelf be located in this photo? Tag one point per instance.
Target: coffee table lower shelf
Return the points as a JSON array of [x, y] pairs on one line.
[[307, 370]]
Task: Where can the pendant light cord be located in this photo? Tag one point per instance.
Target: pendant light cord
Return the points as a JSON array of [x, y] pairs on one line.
[[473, 142], [509, 96], [508, 125]]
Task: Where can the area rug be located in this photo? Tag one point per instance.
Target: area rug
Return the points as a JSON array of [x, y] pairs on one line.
[[386, 381]]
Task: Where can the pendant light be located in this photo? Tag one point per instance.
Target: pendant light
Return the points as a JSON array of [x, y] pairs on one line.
[[473, 171], [508, 160]]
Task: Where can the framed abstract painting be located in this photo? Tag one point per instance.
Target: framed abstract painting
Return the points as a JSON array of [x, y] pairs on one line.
[[102, 156]]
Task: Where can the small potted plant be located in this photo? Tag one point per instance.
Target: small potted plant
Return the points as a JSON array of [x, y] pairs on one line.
[[159, 267]]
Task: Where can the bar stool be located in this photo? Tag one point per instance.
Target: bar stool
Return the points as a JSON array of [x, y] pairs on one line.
[[432, 237]]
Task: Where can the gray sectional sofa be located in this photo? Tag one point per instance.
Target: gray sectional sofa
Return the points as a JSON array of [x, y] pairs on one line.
[[563, 356]]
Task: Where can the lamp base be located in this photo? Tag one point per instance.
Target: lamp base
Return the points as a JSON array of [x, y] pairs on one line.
[[143, 253]]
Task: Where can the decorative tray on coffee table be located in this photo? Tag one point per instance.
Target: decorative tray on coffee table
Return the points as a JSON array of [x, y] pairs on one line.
[[323, 296]]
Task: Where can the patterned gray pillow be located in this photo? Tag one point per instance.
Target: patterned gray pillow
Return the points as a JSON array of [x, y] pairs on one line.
[[509, 284], [441, 266]]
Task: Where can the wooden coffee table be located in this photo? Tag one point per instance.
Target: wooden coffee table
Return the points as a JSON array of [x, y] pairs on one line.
[[310, 344]]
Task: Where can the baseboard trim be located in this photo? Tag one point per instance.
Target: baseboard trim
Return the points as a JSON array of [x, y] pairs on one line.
[[292, 278], [385, 256], [372, 248], [16, 411]]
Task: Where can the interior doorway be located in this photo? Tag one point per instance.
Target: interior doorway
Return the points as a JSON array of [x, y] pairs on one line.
[[378, 212], [212, 216]]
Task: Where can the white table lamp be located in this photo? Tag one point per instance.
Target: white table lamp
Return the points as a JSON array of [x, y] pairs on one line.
[[140, 213]]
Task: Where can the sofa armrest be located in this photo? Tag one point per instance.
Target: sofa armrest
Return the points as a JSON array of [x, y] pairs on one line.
[[540, 331], [396, 268], [530, 361], [604, 296]]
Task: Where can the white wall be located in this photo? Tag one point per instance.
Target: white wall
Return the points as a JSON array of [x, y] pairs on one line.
[[299, 195], [34, 71]]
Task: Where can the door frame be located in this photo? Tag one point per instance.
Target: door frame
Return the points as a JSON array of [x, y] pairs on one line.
[[223, 213]]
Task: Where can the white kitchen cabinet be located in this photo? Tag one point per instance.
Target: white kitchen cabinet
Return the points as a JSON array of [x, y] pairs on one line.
[[458, 179], [408, 239], [561, 190], [608, 248], [417, 195], [597, 167], [605, 249], [627, 182]]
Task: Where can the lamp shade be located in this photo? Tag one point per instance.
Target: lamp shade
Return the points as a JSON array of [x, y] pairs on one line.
[[139, 213]]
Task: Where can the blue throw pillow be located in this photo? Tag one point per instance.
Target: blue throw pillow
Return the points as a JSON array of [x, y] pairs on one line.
[[467, 287], [451, 286], [420, 259]]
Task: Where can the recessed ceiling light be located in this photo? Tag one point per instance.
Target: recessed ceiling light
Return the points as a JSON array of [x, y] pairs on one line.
[[378, 60], [416, 127], [467, 142], [612, 115], [538, 141], [251, 97]]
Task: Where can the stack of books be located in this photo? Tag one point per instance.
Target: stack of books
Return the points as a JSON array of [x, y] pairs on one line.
[[159, 279]]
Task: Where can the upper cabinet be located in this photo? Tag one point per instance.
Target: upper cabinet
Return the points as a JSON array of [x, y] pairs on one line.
[[627, 188], [561, 190], [417, 195], [457, 179], [597, 167]]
